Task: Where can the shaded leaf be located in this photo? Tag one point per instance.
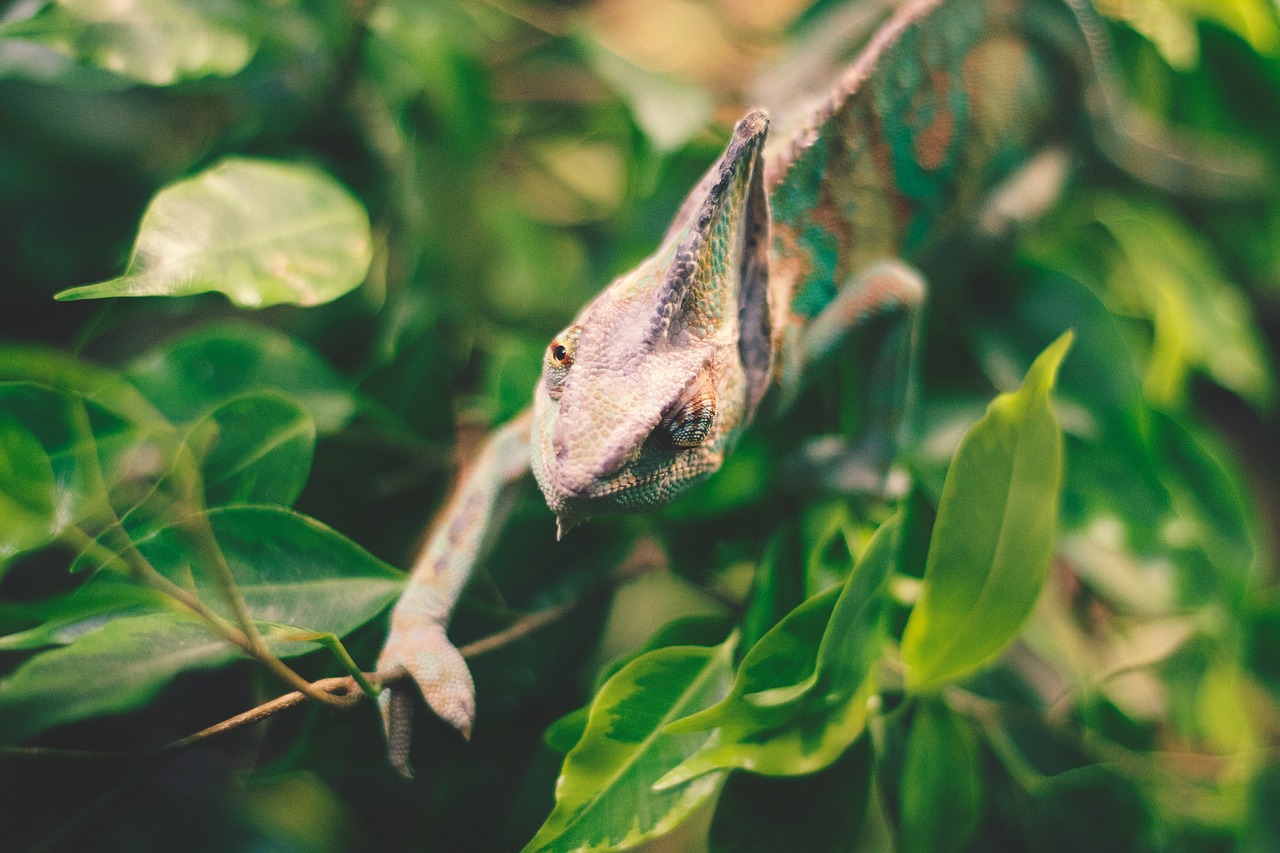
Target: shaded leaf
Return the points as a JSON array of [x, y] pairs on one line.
[[815, 813], [188, 378], [26, 490], [994, 533], [158, 42], [605, 796], [291, 571], [261, 232], [257, 450], [119, 667], [941, 783], [799, 701]]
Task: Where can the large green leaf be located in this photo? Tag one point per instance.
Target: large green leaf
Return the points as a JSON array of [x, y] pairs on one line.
[[159, 42], [256, 449], [799, 698], [823, 811], [290, 570], [994, 534], [261, 232], [188, 378], [605, 797], [117, 668], [26, 490], [941, 783]]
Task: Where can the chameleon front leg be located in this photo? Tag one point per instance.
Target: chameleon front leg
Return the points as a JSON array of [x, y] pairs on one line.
[[889, 292], [417, 643]]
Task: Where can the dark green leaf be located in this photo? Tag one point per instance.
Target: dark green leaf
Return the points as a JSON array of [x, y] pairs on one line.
[[605, 796], [190, 377], [256, 449], [261, 232], [26, 490], [994, 534], [290, 569], [941, 783]]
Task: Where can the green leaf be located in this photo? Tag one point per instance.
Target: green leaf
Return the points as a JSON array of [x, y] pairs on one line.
[[95, 456], [1200, 319], [26, 490], [941, 783], [800, 696], [158, 42], [605, 796], [65, 619], [261, 232], [820, 812], [256, 449], [188, 378], [291, 571], [994, 534]]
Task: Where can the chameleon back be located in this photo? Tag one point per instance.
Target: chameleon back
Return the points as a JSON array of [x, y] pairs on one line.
[[946, 101]]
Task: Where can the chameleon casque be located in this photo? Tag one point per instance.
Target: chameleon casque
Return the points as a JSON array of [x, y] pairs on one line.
[[954, 116]]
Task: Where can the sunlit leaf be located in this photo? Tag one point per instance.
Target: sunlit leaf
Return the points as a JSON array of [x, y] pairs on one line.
[[605, 796], [256, 449], [1200, 320], [26, 490], [190, 377], [261, 232], [290, 570], [823, 811], [800, 696], [158, 42], [994, 533], [941, 782]]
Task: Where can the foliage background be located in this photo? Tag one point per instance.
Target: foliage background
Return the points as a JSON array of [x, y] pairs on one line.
[[513, 158]]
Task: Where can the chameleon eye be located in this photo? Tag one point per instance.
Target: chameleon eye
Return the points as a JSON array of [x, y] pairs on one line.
[[559, 359], [690, 424]]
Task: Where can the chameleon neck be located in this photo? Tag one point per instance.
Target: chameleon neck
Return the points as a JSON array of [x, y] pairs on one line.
[[945, 100]]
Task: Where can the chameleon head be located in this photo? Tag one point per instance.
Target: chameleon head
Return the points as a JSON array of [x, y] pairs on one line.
[[642, 394]]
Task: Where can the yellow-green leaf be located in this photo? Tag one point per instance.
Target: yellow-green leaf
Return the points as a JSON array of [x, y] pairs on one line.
[[991, 544]]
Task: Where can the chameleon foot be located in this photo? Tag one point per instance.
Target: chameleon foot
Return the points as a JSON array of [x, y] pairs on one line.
[[440, 673]]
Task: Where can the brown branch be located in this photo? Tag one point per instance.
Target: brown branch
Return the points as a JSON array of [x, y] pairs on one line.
[[343, 691]]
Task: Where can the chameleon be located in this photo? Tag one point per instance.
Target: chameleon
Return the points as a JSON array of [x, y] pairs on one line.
[[953, 117]]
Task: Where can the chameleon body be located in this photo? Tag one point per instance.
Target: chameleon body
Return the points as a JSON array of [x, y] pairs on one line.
[[792, 239]]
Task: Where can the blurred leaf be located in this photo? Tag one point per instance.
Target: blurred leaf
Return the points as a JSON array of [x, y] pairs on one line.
[[993, 536], [263, 233], [798, 702], [941, 783], [190, 377], [257, 450], [26, 490], [96, 458], [1170, 25], [291, 571], [158, 42], [669, 111], [1200, 319], [823, 811], [605, 796]]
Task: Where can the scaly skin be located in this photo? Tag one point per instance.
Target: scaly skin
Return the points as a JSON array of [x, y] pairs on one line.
[[784, 246]]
